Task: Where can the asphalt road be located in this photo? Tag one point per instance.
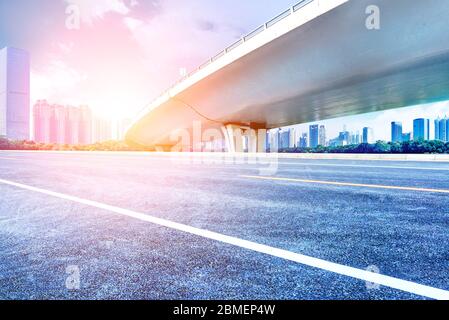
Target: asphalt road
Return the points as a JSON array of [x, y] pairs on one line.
[[383, 216]]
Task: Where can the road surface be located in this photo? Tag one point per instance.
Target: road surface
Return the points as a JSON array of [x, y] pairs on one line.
[[142, 226]]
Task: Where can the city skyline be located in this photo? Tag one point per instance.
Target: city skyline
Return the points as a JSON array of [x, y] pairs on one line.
[[381, 121], [316, 134]]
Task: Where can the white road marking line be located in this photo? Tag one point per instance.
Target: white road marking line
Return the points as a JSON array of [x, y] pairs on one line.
[[346, 184], [209, 160], [363, 166], [360, 274], [265, 161], [8, 158]]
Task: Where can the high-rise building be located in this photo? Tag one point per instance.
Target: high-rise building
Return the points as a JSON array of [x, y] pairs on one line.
[[41, 120], [72, 128], [322, 136], [421, 129], [292, 138], [344, 137], [313, 135], [274, 140], [14, 94], [442, 129], [49, 122], [406, 137], [267, 141], [368, 135], [354, 138], [62, 125], [437, 128], [302, 143], [85, 125], [396, 131], [285, 139], [447, 129], [101, 129]]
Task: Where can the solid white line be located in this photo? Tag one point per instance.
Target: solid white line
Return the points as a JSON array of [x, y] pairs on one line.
[[364, 275], [8, 158], [239, 160], [363, 166], [346, 184]]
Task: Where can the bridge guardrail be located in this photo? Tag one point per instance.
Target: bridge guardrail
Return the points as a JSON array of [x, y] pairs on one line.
[[244, 39]]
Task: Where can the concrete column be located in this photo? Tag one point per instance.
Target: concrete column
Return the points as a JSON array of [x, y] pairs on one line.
[[261, 140], [233, 137], [252, 140], [257, 139]]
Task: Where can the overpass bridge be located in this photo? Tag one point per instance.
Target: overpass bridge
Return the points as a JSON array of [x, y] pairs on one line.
[[314, 61]]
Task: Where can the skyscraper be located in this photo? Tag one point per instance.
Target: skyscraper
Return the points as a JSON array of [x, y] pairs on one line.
[[302, 143], [406, 137], [421, 129], [62, 125], [443, 129], [14, 94], [85, 125], [285, 139], [322, 136], [447, 129], [292, 138], [437, 129], [344, 137], [396, 131], [274, 140], [101, 130], [368, 135], [313, 135]]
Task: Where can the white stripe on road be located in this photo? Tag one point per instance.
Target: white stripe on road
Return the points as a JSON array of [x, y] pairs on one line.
[[210, 160], [345, 184], [364, 275], [362, 166], [9, 158]]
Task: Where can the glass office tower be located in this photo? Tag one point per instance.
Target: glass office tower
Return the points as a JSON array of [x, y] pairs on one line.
[[14, 94]]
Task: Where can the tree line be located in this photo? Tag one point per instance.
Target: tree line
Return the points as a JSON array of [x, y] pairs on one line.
[[6, 144], [410, 147]]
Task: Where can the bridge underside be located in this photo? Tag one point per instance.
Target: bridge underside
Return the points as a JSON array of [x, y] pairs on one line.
[[330, 67]]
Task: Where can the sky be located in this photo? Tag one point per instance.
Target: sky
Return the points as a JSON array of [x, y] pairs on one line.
[[124, 53]]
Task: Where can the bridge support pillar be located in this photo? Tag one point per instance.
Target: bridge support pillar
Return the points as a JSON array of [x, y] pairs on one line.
[[257, 138], [233, 137], [261, 140]]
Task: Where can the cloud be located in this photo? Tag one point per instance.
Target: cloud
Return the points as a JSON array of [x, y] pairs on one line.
[[65, 48], [206, 25], [55, 82], [132, 24], [93, 10]]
